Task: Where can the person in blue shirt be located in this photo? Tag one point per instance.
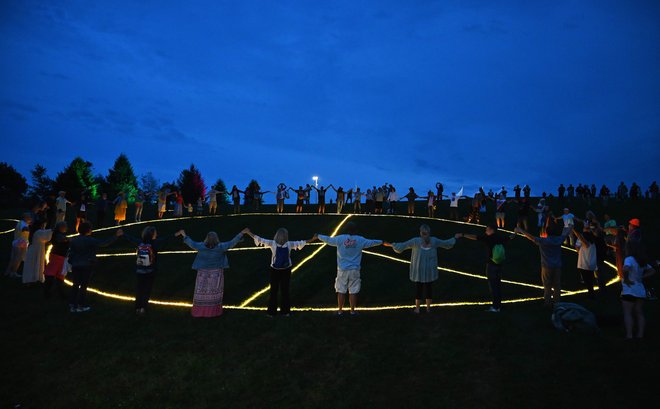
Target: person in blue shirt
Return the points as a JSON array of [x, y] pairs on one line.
[[550, 249], [349, 260]]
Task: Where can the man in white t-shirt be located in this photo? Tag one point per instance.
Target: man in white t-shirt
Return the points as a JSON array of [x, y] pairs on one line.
[[569, 223], [60, 204], [453, 206]]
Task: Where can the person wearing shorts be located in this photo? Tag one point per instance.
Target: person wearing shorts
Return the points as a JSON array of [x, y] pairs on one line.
[[500, 213], [349, 260], [633, 292], [300, 198], [213, 200]]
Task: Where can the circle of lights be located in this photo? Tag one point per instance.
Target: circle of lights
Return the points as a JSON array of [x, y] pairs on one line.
[[246, 304]]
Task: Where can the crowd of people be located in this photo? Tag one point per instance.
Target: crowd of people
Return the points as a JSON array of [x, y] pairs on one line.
[[593, 240], [375, 200]]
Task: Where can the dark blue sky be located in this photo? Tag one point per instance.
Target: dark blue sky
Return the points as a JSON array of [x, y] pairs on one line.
[[410, 92]]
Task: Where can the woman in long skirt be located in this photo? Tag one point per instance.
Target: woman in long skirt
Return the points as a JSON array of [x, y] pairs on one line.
[[210, 263], [423, 262], [120, 208], [35, 259]]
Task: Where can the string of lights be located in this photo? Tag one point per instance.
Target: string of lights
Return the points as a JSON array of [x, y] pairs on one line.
[[245, 305], [296, 268]]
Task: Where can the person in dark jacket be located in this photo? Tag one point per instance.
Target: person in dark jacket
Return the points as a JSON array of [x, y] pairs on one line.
[[101, 209], [148, 247], [82, 257]]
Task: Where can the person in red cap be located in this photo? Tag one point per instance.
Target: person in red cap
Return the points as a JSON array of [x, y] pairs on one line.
[[634, 232]]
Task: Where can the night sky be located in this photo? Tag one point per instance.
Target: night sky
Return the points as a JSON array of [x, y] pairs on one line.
[[407, 92]]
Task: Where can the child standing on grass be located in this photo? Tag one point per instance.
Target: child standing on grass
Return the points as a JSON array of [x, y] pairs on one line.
[[148, 247], [280, 267], [200, 206], [82, 257], [349, 260]]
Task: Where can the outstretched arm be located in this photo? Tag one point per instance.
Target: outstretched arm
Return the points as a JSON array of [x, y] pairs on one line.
[[526, 234], [401, 247], [580, 237], [233, 242]]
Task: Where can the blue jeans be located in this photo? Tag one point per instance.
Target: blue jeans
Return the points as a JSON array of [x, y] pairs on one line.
[[494, 274]]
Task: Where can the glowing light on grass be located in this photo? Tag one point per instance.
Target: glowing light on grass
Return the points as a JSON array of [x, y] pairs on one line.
[[449, 270], [306, 259], [245, 307], [133, 253]]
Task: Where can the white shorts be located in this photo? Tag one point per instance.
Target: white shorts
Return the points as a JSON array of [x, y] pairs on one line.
[[348, 281]]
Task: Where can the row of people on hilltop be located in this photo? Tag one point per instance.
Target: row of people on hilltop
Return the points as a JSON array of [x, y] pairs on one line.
[[79, 255], [375, 200]]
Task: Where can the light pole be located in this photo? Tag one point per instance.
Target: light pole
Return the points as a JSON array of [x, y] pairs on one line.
[[316, 181]]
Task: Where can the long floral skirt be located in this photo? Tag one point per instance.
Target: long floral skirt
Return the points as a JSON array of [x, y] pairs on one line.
[[209, 288]]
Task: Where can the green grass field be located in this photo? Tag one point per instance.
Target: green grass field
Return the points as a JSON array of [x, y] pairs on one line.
[[457, 356]]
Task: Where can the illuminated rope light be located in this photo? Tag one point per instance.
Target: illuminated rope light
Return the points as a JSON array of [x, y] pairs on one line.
[[449, 270], [245, 307], [187, 251], [10, 230], [306, 259]]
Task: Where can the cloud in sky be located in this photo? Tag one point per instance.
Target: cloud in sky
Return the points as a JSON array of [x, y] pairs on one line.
[[407, 92]]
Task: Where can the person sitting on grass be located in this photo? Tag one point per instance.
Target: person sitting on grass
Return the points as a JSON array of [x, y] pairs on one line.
[[148, 246], [495, 244], [210, 263], [423, 262], [82, 257], [550, 250], [280, 267], [633, 292], [349, 260]]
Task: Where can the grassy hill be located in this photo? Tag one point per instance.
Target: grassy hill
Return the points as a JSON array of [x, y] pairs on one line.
[[454, 357]]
